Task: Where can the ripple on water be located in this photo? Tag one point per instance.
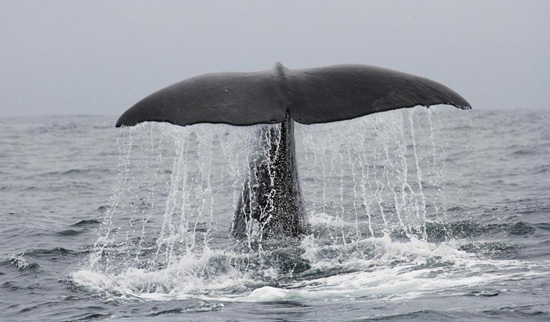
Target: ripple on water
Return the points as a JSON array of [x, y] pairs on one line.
[[69, 232], [54, 251], [86, 222]]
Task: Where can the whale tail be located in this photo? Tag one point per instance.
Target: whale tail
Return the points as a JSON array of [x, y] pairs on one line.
[[271, 194], [316, 95]]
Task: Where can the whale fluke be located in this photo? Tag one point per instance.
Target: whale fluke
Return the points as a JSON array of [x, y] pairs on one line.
[[316, 95], [271, 193]]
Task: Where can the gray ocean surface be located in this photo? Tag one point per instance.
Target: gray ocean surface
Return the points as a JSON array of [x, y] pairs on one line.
[[416, 215]]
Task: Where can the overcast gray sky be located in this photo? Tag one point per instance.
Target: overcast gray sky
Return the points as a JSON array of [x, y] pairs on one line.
[[100, 57]]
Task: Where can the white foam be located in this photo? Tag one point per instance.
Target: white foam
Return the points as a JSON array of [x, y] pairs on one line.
[[402, 270], [395, 270], [19, 261]]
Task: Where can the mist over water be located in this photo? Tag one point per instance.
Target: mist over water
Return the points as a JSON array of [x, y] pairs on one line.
[[419, 214]]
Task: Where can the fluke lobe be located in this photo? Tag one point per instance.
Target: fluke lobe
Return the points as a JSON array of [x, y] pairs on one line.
[[271, 194]]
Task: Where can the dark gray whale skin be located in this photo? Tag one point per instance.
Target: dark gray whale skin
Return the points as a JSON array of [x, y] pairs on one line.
[[271, 194], [316, 95]]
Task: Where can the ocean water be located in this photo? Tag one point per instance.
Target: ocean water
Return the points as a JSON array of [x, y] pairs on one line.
[[416, 215]]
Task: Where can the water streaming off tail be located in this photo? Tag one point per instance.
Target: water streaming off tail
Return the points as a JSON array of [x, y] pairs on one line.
[[376, 174], [372, 186], [175, 194]]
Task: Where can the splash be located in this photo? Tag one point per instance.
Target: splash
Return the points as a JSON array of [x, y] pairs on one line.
[[372, 185]]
